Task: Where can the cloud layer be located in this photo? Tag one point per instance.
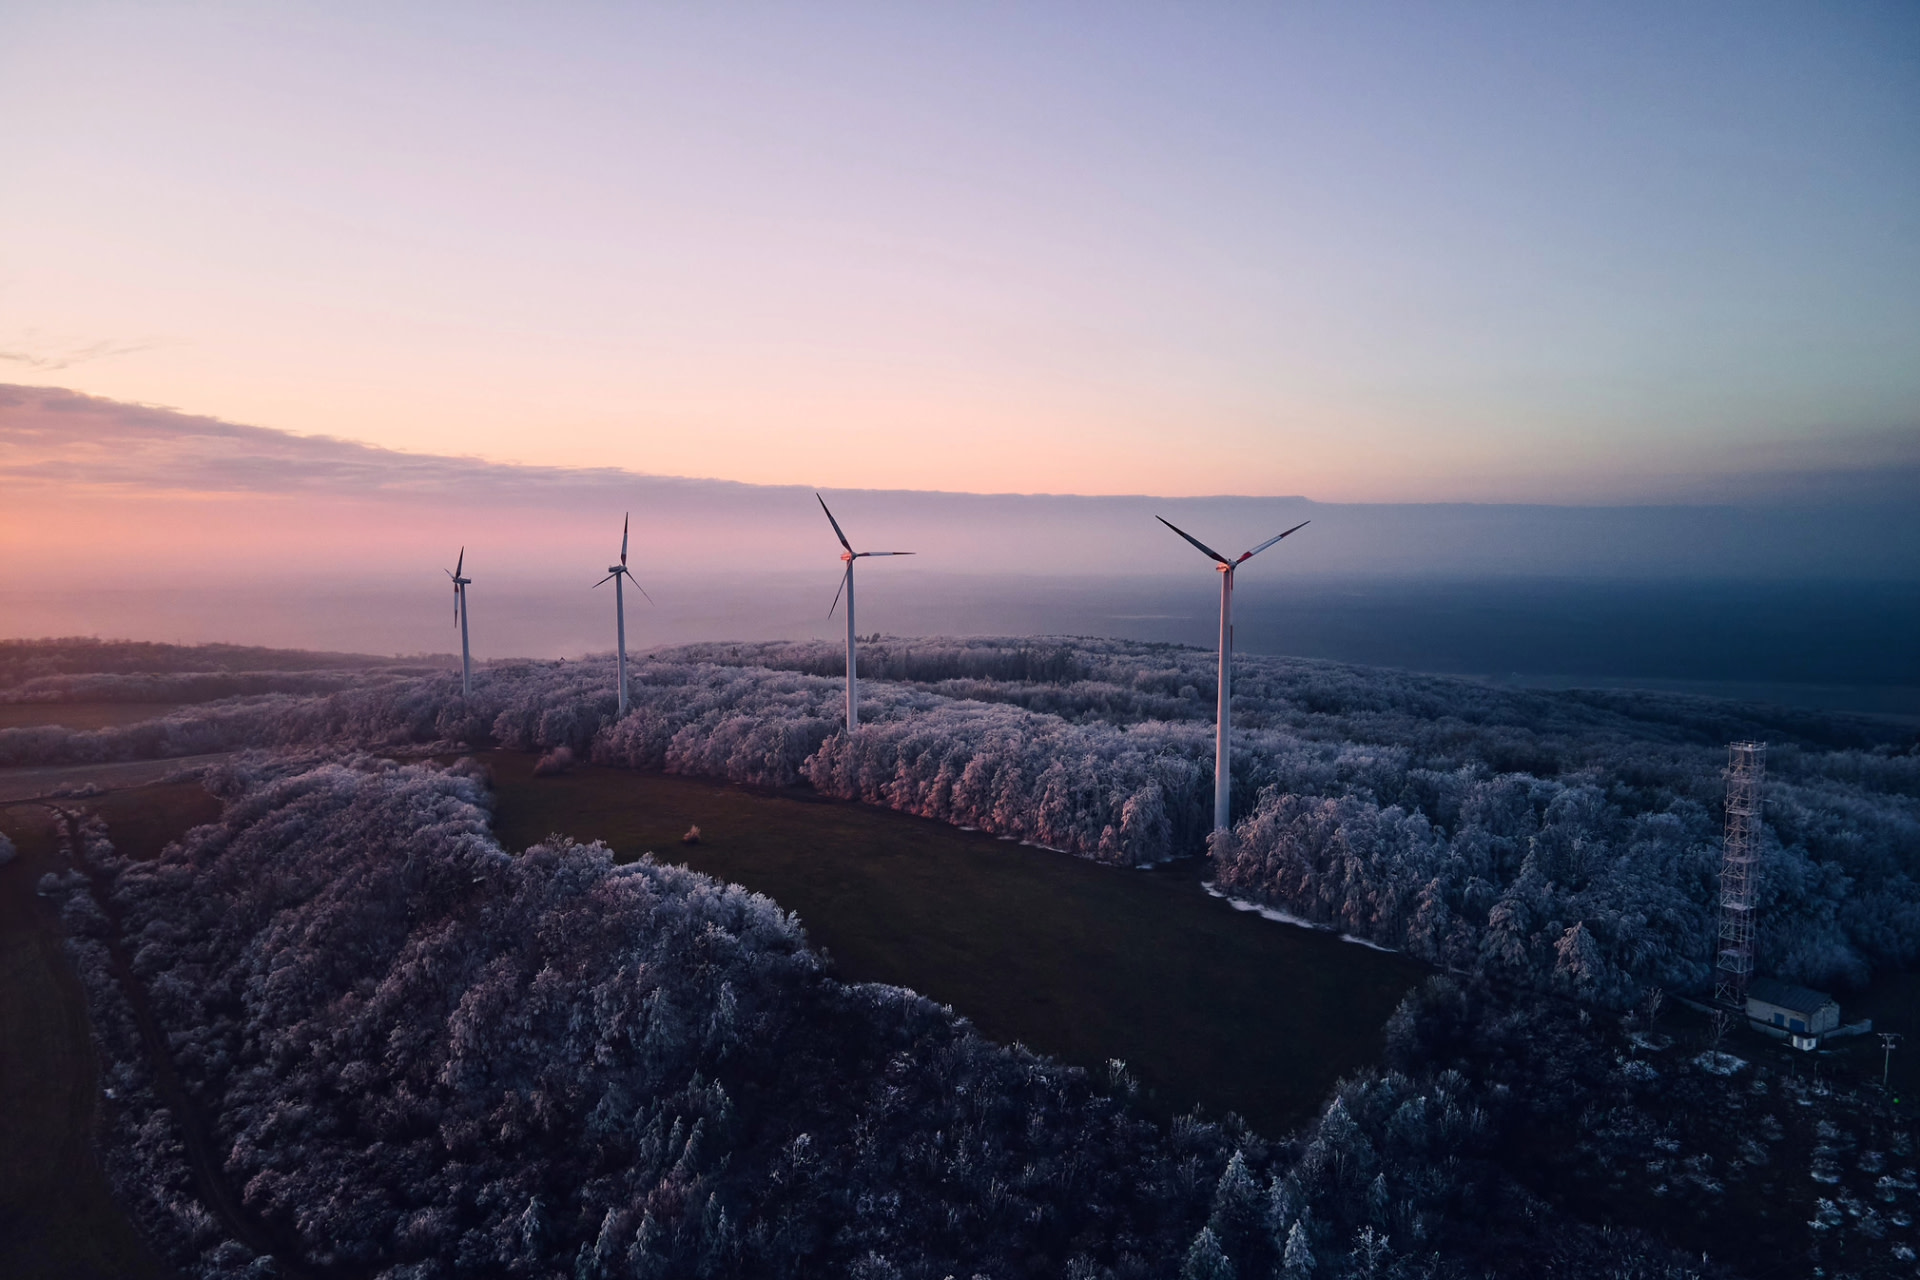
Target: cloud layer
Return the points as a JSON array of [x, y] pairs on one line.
[[86, 474], [51, 436]]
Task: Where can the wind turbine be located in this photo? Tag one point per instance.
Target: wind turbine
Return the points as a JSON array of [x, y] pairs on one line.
[[615, 572], [1222, 777], [460, 617], [846, 585]]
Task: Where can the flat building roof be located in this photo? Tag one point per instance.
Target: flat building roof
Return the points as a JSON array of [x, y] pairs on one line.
[[1787, 996]]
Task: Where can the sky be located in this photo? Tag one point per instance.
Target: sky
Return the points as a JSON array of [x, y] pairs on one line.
[[140, 522], [112, 495], [1569, 254]]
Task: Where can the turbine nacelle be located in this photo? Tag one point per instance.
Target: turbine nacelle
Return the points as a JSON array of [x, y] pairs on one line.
[[621, 570], [848, 556], [459, 584], [460, 581], [1221, 562]]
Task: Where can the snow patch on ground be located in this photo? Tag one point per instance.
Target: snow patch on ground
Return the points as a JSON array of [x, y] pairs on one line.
[[1719, 1064], [1282, 917], [1265, 913]]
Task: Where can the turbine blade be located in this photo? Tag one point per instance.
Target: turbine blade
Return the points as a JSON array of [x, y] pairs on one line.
[[461, 563], [625, 520], [842, 587], [835, 524], [1195, 541], [861, 554], [604, 581], [1270, 541], [637, 587]]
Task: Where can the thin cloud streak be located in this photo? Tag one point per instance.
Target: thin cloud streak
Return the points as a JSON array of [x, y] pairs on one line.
[[63, 438], [72, 355]]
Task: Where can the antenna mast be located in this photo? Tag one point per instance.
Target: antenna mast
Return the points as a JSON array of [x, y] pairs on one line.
[[1746, 772]]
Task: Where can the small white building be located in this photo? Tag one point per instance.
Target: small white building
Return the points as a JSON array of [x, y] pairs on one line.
[[1798, 1014]]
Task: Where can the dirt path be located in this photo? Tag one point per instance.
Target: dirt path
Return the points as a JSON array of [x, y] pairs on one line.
[[31, 782], [203, 1155], [203, 1151], [58, 1217]]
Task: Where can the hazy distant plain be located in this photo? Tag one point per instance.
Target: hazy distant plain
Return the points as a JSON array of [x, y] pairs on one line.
[[1845, 646]]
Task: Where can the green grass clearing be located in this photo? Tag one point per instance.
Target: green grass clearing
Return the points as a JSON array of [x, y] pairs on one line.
[[1204, 1003]]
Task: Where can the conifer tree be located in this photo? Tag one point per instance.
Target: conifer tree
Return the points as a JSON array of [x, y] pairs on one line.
[[1297, 1260], [1205, 1260]]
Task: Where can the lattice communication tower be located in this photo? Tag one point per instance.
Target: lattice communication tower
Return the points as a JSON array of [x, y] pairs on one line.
[[1746, 771]]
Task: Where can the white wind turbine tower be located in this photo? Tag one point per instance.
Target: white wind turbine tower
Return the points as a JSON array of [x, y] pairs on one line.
[[846, 585], [1222, 776], [460, 617], [615, 572]]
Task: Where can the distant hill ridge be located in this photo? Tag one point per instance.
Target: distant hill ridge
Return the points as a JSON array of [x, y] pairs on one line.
[[25, 660]]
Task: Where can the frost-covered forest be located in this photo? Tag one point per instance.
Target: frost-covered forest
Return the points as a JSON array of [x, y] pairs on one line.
[[404, 1051], [1561, 840], [411, 1054]]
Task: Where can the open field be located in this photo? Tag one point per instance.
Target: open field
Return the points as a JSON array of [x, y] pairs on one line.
[[57, 1216], [80, 715], [28, 783], [1204, 1003]]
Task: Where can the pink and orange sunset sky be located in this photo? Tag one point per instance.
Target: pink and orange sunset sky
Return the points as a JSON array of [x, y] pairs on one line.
[[339, 287], [1358, 252]]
